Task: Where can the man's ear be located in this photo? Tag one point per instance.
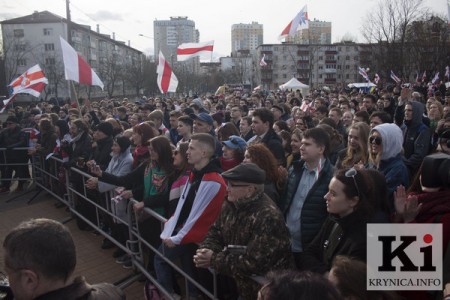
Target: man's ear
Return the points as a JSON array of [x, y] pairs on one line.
[[29, 280]]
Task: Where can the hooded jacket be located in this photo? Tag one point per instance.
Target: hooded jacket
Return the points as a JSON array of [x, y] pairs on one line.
[[391, 164], [417, 139]]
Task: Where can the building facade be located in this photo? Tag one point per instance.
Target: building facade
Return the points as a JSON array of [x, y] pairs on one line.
[[246, 37], [34, 39], [333, 65], [318, 32], [169, 34]]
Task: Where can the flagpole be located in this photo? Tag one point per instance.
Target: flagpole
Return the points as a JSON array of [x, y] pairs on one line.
[[76, 99]]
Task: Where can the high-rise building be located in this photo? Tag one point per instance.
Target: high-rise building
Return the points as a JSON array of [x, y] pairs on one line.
[[169, 34], [34, 39], [246, 37], [319, 32]]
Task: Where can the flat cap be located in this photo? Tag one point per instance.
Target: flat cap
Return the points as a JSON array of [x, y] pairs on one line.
[[203, 117], [250, 173]]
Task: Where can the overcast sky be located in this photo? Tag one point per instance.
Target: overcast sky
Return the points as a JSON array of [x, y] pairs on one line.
[[212, 18]]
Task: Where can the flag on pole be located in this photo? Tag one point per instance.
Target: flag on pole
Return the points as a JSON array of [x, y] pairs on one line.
[[377, 78], [167, 81], [394, 77], [263, 63], [424, 76], [188, 50], [436, 78], [417, 77], [448, 12], [300, 21], [363, 73], [32, 82], [76, 68], [447, 72]]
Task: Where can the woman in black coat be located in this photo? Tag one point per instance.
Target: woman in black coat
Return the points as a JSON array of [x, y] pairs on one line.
[[349, 204]]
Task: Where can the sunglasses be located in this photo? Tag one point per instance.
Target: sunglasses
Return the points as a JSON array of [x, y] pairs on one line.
[[352, 173], [375, 139]]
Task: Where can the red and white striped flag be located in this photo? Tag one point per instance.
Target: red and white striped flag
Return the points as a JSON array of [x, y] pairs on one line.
[[167, 81], [188, 50], [424, 75], [300, 21], [263, 63], [32, 82], [76, 68]]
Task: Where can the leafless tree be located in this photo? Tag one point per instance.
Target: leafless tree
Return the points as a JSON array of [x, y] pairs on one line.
[[15, 53], [111, 72], [387, 26]]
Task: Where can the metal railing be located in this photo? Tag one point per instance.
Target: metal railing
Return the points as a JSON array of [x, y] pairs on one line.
[[47, 175]]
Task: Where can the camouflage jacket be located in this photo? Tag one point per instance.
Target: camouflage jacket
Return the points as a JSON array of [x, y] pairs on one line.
[[258, 224]]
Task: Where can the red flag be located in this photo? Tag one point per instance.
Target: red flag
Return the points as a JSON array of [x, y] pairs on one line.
[[76, 68], [32, 82], [263, 63], [167, 81]]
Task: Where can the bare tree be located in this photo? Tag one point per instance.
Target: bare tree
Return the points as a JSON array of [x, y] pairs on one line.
[[387, 25], [15, 53], [111, 72]]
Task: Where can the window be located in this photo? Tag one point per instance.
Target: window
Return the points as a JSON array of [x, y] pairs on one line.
[[284, 76], [18, 33], [50, 61], [347, 76], [48, 31], [320, 58], [347, 67], [320, 76], [339, 67], [320, 67], [49, 47], [21, 62], [347, 57], [19, 47]]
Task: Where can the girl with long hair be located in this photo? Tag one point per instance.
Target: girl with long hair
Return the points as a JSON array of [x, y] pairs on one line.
[[357, 151]]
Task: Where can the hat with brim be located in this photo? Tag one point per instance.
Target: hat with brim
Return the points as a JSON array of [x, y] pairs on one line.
[[249, 173], [235, 142], [203, 117]]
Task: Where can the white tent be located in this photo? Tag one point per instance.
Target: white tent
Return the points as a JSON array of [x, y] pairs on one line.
[[360, 85], [293, 84]]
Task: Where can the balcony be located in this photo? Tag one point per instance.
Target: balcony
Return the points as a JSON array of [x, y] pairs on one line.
[[330, 52], [302, 61], [330, 61], [303, 53], [330, 80]]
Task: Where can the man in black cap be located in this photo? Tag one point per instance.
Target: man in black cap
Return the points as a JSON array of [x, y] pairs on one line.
[[103, 141], [10, 138], [250, 236]]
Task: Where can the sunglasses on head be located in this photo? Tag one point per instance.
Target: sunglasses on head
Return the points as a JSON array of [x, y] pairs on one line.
[[352, 173], [375, 139]]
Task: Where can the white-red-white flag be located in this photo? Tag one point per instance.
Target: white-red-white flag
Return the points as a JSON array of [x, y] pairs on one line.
[[188, 50], [300, 21], [32, 82], [436, 78], [263, 63], [167, 81], [76, 68]]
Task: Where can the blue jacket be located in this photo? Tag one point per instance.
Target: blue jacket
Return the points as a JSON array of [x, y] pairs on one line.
[[314, 211]]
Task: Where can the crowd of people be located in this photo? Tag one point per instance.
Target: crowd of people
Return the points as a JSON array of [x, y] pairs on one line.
[[268, 189]]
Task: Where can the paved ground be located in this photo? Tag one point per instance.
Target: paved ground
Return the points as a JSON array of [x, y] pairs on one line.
[[95, 264]]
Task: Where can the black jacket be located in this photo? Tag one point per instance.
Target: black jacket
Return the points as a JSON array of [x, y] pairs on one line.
[[102, 153], [314, 211], [273, 142], [348, 238]]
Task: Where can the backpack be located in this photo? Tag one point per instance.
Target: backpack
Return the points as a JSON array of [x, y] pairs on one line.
[[151, 292]]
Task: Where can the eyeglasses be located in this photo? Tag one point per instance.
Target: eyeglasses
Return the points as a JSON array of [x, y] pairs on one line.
[[352, 173], [375, 139]]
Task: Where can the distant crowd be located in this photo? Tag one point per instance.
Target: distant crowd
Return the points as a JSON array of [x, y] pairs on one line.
[[270, 189]]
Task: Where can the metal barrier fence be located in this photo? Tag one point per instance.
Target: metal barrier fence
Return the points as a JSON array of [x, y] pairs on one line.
[[49, 175]]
